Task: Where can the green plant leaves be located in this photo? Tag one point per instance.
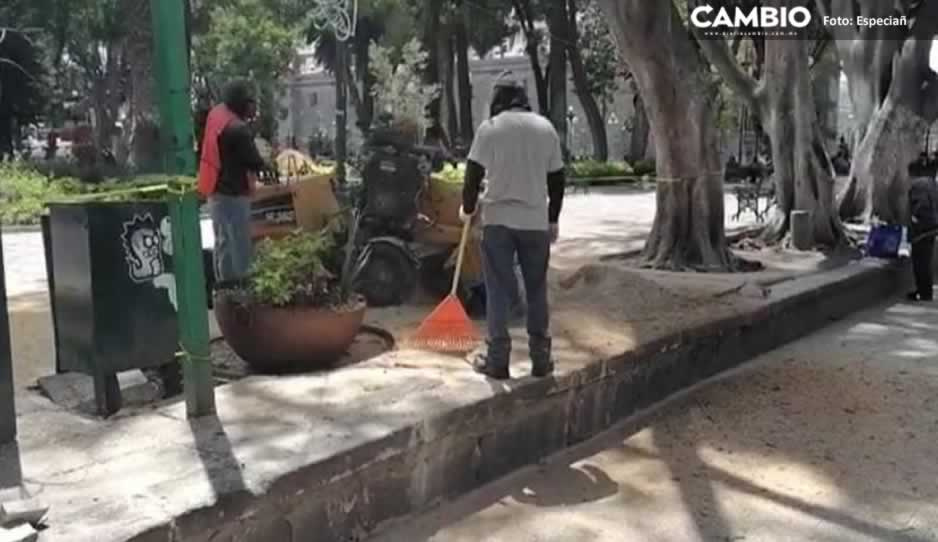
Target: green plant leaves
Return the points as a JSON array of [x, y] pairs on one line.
[[292, 271]]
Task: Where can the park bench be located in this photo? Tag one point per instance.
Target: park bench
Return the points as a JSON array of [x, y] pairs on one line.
[[751, 190]]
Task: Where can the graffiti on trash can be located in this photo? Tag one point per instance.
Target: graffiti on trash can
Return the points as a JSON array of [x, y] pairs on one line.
[[145, 244], [143, 248]]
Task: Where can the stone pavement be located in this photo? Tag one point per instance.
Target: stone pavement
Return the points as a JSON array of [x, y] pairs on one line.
[[605, 220], [832, 438], [331, 456]]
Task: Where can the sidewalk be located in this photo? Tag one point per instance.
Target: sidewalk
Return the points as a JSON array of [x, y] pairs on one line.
[[830, 438], [606, 221], [337, 454]]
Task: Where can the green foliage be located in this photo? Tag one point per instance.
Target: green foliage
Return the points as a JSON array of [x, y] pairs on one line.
[[597, 169], [247, 39], [600, 53], [292, 271], [24, 191], [399, 89]]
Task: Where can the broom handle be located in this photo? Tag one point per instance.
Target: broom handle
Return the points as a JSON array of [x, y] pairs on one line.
[[459, 256]]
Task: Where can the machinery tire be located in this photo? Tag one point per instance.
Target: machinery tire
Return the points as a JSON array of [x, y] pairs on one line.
[[388, 278], [434, 279]]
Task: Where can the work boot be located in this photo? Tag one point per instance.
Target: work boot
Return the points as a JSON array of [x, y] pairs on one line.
[[493, 361], [480, 364], [542, 363]]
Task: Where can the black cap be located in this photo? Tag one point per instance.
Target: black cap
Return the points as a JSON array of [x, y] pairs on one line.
[[508, 93], [237, 95]]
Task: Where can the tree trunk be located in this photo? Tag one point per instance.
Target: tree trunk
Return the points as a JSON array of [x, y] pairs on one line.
[[366, 107], [784, 100], [893, 92], [448, 73], [431, 38], [879, 173], [525, 14], [464, 82], [878, 182], [594, 116], [6, 137], [557, 67], [143, 131], [803, 174], [641, 131], [688, 230], [826, 87]]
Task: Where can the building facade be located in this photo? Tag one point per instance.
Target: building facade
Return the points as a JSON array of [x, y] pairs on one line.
[[309, 102]]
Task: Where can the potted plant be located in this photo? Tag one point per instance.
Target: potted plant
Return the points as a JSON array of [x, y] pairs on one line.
[[292, 314]]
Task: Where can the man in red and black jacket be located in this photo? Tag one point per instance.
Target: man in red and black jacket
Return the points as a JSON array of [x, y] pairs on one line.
[[228, 170]]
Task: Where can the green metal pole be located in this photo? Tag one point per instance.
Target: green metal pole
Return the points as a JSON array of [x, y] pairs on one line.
[[173, 82], [198, 382], [7, 405], [176, 136]]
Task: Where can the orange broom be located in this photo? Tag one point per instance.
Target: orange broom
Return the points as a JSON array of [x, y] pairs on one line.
[[448, 328]]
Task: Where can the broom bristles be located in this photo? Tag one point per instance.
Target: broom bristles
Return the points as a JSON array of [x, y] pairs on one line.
[[447, 329]]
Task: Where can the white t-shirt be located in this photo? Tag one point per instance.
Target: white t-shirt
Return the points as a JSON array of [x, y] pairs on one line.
[[517, 149]]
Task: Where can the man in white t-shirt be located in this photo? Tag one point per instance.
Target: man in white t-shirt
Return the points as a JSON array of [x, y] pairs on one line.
[[519, 154]]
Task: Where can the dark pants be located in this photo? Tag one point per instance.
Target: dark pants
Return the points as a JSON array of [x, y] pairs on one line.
[[922, 255], [500, 248]]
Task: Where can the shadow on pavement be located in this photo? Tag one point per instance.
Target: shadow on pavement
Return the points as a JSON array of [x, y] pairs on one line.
[[829, 438], [568, 486]]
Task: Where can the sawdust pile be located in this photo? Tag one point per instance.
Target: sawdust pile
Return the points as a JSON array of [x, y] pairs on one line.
[[618, 293]]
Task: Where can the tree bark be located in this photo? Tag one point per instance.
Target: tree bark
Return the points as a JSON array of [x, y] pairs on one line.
[[448, 73], [641, 131], [891, 89], [803, 174], [365, 109], [143, 132], [557, 67], [432, 76], [879, 173], [594, 116], [464, 82], [784, 101], [525, 15], [688, 231]]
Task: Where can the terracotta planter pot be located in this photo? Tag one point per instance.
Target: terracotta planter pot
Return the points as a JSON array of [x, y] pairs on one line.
[[287, 340]]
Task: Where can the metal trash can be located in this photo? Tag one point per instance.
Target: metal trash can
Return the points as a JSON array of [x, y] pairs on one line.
[[113, 291]]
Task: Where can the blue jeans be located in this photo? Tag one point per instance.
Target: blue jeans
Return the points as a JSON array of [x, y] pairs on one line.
[[501, 246], [231, 222]]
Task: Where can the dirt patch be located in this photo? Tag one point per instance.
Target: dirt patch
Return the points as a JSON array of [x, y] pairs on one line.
[[622, 293], [607, 309]]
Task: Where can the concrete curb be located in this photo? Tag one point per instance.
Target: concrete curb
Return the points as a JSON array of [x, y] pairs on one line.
[[21, 229], [350, 496]]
